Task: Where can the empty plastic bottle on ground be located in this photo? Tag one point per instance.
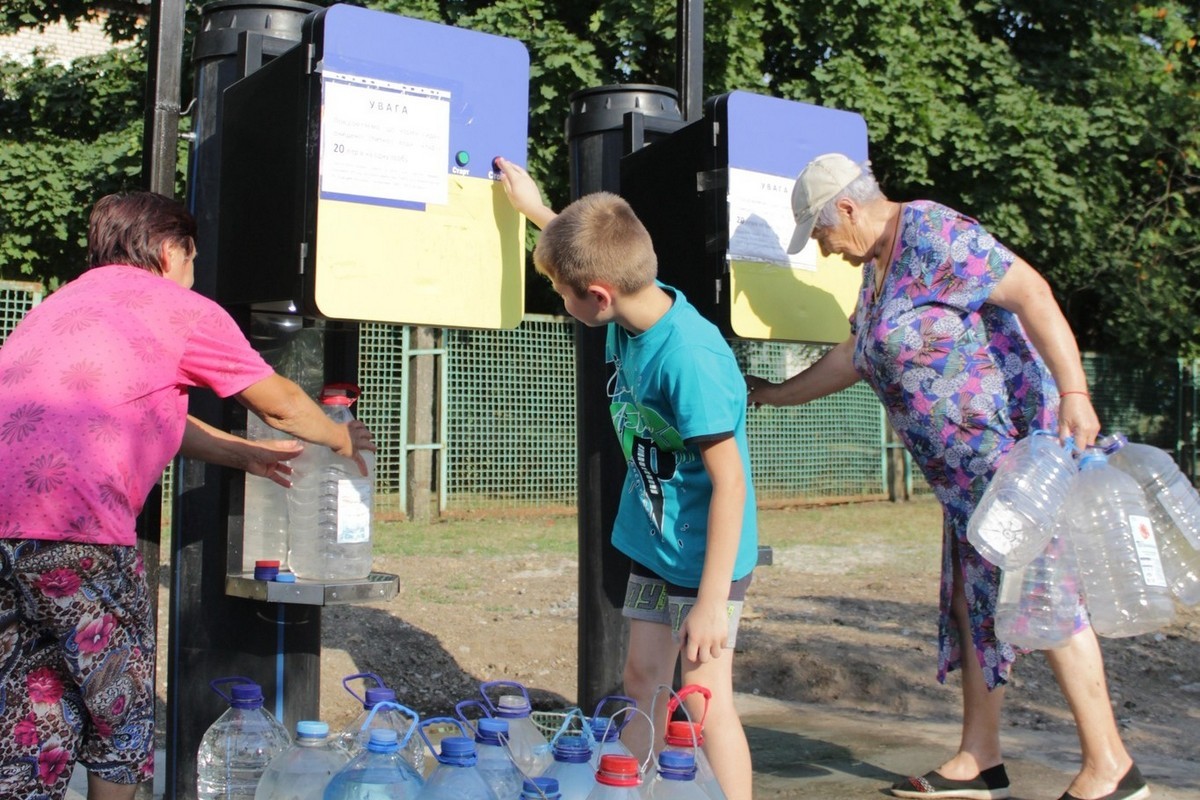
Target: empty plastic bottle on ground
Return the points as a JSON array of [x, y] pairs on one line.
[[529, 748], [236, 749], [302, 771], [353, 738], [572, 767], [1039, 602], [457, 775], [617, 778], [1015, 517], [497, 768], [1174, 507], [688, 737], [377, 773], [329, 504], [1113, 538], [675, 778]]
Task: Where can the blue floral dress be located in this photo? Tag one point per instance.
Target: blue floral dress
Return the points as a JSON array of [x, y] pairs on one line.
[[961, 383]]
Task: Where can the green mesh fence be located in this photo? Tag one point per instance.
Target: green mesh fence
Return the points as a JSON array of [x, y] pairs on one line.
[[1138, 397], [381, 407], [510, 416], [830, 448], [505, 434], [16, 298]]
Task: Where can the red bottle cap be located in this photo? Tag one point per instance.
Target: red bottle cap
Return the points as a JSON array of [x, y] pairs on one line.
[[618, 770], [679, 734]]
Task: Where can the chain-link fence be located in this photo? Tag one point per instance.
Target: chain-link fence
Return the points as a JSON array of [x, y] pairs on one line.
[[831, 448], [502, 416], [510, 412], [16, 299]]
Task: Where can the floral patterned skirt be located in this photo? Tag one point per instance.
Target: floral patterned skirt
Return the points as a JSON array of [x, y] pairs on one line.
[[76, 666]]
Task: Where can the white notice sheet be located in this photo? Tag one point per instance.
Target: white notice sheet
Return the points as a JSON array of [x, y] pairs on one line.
[[761, 222], [384, 141]]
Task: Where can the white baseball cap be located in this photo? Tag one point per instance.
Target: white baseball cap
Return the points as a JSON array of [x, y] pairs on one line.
[[817, 184]]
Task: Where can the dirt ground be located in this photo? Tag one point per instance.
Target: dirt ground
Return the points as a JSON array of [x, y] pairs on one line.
[[844, 628]]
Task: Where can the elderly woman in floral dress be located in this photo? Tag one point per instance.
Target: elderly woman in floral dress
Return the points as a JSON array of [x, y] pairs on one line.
[[968, 351]]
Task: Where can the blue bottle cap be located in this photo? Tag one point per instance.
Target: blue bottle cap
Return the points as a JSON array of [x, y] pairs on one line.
[[572, 749], [489, 730], [246, 695], [604, 730], [677, 765], [285, 577], [376, 695], [536, 787], [458, 750], [312, 729], [383, 740]]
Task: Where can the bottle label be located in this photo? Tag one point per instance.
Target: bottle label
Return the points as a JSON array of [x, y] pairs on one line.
[[1147, 550], [354, 511]]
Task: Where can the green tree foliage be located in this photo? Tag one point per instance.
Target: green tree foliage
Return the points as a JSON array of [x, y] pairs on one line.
[[120, 17], [1068, 128], [68, 135]]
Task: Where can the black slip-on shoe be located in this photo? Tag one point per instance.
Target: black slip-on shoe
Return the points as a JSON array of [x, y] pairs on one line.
[[990, 784], [1131, 787]]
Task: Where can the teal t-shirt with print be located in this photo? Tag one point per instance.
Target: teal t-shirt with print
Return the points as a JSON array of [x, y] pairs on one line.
[[672, 388]]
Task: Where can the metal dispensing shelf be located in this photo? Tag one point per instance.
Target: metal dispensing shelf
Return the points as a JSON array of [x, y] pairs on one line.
[[376, 586]]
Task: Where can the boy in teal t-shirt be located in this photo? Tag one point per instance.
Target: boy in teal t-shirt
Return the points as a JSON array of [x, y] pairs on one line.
[[687, 516]]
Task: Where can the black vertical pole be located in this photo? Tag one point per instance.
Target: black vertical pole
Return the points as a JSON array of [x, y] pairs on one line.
[[160, 141], [596, 136], [212, 634], [689, 58], [160, 135]]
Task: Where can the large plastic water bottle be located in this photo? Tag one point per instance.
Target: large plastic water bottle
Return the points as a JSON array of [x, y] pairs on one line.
[[457, 775], [572, 767], [1015, 517], [676, 778], [1039, 603], [540, 788], [377, 773], [529, 748], [265, 508], [353, 738], [497, 768], [1113, 539], [302, 771], [1174, 507], [236, 749], [686, 736], [329, 505], [617, 778]]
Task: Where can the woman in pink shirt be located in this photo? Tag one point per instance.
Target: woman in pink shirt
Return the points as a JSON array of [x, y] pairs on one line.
[[93, 406]]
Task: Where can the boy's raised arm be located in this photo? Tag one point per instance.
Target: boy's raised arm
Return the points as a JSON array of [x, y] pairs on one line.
[[523, 193]]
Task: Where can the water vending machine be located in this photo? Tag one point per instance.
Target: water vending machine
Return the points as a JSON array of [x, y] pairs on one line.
[[716, 198]]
